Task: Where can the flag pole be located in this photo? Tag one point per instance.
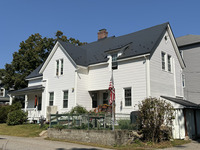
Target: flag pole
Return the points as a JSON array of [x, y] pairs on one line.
[[113, 105], [113, 119]]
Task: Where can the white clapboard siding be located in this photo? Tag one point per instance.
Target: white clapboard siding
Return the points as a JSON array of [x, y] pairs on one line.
[[83, 96], [164, 82], [58, 84], [35, 82], [99, 77], [130, 73]]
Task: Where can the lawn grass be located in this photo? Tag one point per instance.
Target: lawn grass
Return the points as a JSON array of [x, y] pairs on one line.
[[138, 145], [33, 130], [24, 130]]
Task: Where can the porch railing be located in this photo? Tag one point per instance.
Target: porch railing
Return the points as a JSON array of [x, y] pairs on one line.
[[33, 114]]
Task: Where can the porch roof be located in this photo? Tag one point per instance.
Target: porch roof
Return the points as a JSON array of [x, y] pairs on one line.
[[185, 103], [27, 90]]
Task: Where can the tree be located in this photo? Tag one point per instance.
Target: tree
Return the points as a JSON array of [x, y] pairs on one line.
[[155, 119], [31, 54]]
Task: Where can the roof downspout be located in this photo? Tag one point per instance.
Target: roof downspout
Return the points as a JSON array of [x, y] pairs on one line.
[[147, 70]]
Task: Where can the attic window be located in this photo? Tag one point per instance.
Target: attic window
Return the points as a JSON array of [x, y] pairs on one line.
[[114, 62], [166, 38]]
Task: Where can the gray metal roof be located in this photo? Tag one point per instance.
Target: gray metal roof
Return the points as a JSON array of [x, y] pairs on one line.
[[180, 101], [35, 73], [187, 40], [140, 42], [78, 54], [27, 89]]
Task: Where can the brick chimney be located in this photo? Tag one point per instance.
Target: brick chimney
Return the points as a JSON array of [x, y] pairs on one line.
[[102, 34]]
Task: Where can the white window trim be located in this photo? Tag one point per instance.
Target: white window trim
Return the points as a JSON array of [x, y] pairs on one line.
[[129, 87], [63, 99], [170, 63], [59, 67], [53, 98], [162, 52], [57, 74]]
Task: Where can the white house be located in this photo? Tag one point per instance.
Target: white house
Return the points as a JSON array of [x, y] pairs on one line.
[[145, 63]]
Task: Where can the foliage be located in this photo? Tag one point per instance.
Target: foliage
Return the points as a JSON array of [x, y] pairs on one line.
[[59, 127], [16, 117], [154, 115], [78, 110], [4, 110], [32, 52], [126, 125]]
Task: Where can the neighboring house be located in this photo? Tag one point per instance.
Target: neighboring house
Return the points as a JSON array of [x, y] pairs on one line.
[[4, 98], [189, 46], [145, 64]]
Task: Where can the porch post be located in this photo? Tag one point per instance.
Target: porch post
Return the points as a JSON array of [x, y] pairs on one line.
[[11, 99], [26, 102]]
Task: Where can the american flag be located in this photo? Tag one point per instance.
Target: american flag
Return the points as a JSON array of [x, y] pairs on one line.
[[112, 91]]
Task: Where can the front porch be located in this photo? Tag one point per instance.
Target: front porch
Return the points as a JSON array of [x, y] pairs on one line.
[[99, 97], [32, 98]]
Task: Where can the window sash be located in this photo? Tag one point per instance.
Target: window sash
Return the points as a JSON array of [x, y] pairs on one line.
[[163, 60], [57, 67], [127, 96], [114, 58], [169, 63], [61, 70], [51, 98], [65, 99]]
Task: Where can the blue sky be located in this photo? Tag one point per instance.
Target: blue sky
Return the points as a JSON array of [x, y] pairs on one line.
[[81, 19]]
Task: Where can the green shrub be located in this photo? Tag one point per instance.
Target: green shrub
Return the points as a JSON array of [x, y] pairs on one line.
[[4, 110], [15, 106], [78, 110], [16, 117], [60, 127], [155, 119], [126, 125]]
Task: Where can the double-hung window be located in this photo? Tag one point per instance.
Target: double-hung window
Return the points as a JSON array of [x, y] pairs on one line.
[[169, 63], [163, 60], [57, 67], [127, 97], [65, 99], [114, 61], [51, 98], [61, 67]]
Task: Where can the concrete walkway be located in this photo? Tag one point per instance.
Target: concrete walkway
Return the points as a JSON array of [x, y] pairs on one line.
[[21, 143]]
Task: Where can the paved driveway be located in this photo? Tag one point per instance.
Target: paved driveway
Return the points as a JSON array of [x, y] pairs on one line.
[[20, 143], [194, 145]]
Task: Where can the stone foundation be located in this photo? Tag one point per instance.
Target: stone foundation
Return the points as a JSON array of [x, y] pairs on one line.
[[103, 137]]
